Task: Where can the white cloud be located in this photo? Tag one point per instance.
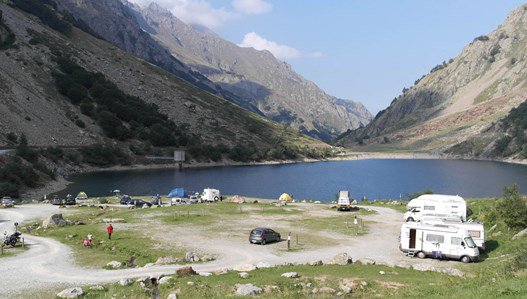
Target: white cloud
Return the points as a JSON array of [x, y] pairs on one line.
[[253, 40], [254, 7], [203, 13], [196, 12]]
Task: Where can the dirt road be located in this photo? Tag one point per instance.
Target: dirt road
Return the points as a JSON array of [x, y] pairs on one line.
[[49, 263]]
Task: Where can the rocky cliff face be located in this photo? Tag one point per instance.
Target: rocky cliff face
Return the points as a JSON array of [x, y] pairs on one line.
[[31, 104], [458, 100], [263, 83]]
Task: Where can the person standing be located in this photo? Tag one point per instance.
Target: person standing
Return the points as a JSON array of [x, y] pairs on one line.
[[109, 229]]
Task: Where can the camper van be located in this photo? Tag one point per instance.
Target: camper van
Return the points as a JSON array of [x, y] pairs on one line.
[[438, 241], [211, 195], [475, 229], [343, 203], [436, 205]]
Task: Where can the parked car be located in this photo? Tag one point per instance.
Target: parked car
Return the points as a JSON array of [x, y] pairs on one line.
[[139, 203], [177, 201], [56, 200], [70, 200], [125, 200], [7, 202], [264, 235]]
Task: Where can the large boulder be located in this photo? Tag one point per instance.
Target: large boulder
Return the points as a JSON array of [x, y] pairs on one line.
[[262, 265], [125, 282], [341, 259], [520, 234], [185, 271], [247, 289], [54, 220], [71, 293], [290, 275]]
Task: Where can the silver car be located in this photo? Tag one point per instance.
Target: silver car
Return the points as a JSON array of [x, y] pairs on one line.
[[264, 235], [7, 202]]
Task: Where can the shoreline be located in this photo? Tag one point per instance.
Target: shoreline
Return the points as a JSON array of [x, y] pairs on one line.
[[62, 182]]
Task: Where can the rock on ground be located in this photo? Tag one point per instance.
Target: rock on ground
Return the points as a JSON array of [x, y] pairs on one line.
[[125, 282], [165, 279], [114, 264], [172, 296], [54, 221], [71, 293], [341, 259], [245, 268], [326, 290], [261, 265], [191, 257], [165, 260], [244, 274], [520, 234], [247, 289], [205, 274], [97, 288], [365, 261], [185, 271], [316, 263], [290, 275]]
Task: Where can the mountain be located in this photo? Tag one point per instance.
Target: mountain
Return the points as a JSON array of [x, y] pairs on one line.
[[265, 84], [62, 86], [460, 106]]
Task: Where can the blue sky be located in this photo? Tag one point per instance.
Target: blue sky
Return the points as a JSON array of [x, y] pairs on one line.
[[361, 50]]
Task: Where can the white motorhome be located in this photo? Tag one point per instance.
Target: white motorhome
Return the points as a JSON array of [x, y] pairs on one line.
[[438, 241], [436, 205], [343, 203], [475, 229], [211, 195]]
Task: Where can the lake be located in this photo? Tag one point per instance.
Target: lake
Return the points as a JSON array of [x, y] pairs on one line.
[[373, 179]]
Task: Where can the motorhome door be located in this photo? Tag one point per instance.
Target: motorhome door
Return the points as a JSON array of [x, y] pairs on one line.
[[412, 239]]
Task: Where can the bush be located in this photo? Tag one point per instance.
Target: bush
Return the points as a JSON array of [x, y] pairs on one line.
[[80, 123], [103, 200], [243, 153], [23, 150], [104, 156], [87, 108], [45, 11], [511, 208], [11, 137], [53, 153]]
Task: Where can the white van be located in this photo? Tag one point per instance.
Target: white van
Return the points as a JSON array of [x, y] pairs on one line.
[[343, 203], [438, 241], [436, 205], [475, 229], [211, 195]]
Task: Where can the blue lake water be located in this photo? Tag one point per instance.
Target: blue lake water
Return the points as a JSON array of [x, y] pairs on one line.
[[373, 179]]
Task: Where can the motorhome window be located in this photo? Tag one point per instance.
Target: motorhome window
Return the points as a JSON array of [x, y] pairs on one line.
[[454, 207], [470, 242], [435, 238], [431, 208], [456, 241], [474, 233]]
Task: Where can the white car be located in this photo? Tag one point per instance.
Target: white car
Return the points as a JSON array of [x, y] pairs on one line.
[[177, 201]]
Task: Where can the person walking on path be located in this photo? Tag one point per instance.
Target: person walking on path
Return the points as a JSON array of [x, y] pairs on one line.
[[110, 231]]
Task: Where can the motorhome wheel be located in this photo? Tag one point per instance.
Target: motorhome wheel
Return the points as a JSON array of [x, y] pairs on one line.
[[421, 255], [465, 259]]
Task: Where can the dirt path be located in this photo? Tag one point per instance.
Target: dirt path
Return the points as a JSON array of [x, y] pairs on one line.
[[50, 263]]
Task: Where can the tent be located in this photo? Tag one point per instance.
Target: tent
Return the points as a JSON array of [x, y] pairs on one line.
[[177, 192], [82, 195], [285, 197]]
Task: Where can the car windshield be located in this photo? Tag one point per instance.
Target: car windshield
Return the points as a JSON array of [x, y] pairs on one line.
[[470, 242], [256, 231]]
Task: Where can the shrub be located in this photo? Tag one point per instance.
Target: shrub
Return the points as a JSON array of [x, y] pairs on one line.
[[104, 156], [511, 208], [103, 200], [242, 153], [23, 150], [87, 108], [80, 123], [45, 11], [11, 137], [53, 153]]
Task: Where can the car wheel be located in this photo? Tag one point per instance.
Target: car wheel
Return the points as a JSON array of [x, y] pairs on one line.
[[279, 238], [465, 259], [410, 219], [263, 241], [421, 255]]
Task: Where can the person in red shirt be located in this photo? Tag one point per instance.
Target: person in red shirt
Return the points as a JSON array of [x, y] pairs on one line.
[[110, 231]]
